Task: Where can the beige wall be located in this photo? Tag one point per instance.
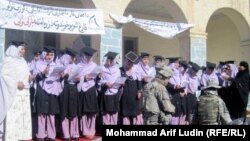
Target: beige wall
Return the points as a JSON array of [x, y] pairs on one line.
[[200, 11], [197, 12], [148, 42], [223, 40], [245, 51], [111, 6], [66, 40], [153, 44], [58, 3]]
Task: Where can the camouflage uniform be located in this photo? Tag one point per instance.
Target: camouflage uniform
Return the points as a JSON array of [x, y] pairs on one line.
[[211, 109], [157, 107]]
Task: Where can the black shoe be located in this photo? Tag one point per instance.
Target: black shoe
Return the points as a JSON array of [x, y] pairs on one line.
[[40, 139], [66, 139], [52, 139]]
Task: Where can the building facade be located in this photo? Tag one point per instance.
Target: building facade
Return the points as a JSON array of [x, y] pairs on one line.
[[221, 29]]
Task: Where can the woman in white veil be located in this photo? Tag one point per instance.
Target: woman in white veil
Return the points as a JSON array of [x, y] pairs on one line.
[[14, 95]]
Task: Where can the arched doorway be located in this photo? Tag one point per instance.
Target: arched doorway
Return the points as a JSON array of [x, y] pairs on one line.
[[228, 36], [138, 40]]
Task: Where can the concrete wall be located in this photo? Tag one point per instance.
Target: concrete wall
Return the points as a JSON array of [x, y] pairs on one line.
[[201, 10], [66, 40], [148, 42], [58, 3], [197, 12], [223, 41]]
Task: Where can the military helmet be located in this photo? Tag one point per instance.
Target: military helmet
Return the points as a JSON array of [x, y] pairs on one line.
[[165, 71], [212, 83]]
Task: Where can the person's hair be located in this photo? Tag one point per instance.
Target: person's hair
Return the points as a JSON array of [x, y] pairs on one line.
[[245, 65]]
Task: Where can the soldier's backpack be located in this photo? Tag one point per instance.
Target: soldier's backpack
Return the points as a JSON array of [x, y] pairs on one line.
[[208, 109]]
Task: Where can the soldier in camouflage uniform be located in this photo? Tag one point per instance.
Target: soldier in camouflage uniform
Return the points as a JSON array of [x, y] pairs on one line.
[[157, 107], [211, 109]]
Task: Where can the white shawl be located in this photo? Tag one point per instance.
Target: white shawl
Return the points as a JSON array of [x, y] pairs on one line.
[[14, 68]]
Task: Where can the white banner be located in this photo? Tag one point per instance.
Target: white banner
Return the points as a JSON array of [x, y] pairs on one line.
[[164, 29], [34, 17]]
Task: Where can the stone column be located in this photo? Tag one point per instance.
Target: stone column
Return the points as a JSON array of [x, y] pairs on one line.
[[2, 44], [111, 41], [198, 48], [193, 47]]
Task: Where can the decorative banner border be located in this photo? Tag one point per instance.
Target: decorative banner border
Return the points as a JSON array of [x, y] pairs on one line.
[[164, 29], [34, 17]]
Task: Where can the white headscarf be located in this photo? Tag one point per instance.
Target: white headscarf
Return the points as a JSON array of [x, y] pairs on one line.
[[12, 51], [13, 69]]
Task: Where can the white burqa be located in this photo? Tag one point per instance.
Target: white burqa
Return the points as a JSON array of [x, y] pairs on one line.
[[14, 103]]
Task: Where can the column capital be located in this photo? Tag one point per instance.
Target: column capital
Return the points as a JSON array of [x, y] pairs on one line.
[[198, 34], [112, 24]]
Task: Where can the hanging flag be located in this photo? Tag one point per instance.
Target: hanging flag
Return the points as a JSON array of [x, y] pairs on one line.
[[164, 29], [34, 17]]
